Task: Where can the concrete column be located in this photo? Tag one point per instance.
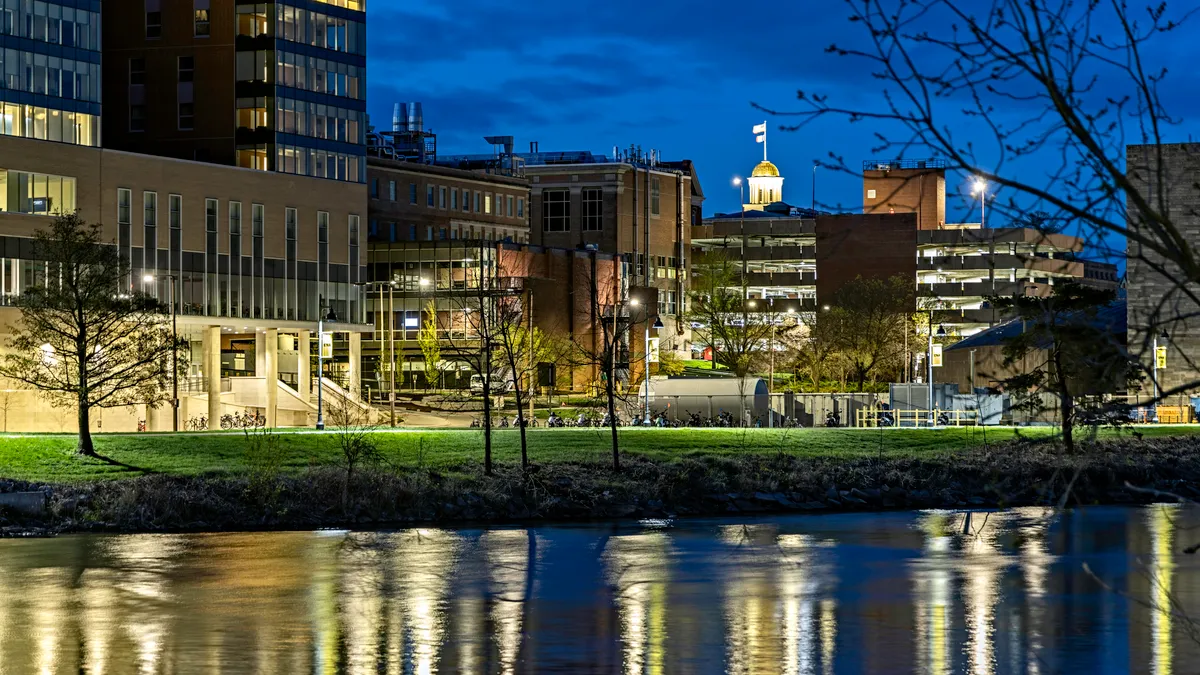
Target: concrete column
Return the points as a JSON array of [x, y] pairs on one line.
[[304, 371], [212, 372], [260, 354], [355, 370], [271, 338]]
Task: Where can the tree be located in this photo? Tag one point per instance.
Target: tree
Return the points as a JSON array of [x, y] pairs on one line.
[[1073, 354], [870, 318], [603, 342], [1040, 99], [431, 346], [355, 431], [522, 347], [669, 363], [84, 341], [721, 317], [814, 347]]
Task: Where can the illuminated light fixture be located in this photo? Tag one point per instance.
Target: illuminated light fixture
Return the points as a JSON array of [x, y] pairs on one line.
[[634, 302]]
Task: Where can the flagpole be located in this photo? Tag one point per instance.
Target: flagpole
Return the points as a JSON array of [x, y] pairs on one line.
[[764, 140]]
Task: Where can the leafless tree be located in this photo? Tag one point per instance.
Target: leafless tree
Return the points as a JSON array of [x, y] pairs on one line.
[[1040, 98]]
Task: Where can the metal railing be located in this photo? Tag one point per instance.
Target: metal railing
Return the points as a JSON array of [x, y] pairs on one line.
[[913, 418]]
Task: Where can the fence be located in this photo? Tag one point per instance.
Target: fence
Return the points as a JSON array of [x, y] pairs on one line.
[[759, 411]]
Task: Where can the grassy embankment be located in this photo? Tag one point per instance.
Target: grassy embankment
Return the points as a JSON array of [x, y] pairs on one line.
[[50, 458]]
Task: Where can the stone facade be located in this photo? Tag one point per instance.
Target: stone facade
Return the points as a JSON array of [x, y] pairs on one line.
[[1158, 301]]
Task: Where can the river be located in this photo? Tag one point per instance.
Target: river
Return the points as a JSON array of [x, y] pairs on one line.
[[1021, 591]]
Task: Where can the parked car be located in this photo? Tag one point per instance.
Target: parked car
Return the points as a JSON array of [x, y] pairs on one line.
[[501, 384]]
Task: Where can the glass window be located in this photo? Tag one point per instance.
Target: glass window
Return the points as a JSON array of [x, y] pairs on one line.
[[322, 227], [556, 210], [487, 203], [466, 200], [441, 197], [150, 206], [509, 209], [176, 215], [153, 19], [235, 217], [392, 190], [520, 207], [429, 195], [187, 68], [593, 209], [655, 194], [124, 197], [412, 193], [210, 215], [290, 215], [257, 218]]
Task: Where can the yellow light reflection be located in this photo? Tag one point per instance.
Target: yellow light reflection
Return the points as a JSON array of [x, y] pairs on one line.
[[798, 584], [361, 584], [933, 579], [753, 642], [1161, 571], [424, 562], [638, 569], [510, 567], [1035, 565], [145, 561]]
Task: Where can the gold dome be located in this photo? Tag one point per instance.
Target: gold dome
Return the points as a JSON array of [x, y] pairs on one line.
[[765, 168]]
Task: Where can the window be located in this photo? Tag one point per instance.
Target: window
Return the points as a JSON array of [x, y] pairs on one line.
[[478, 200], [235, 217], [153, 19], [210, 215], [124, 196], [466, 200], [429, 195], [137, 72], [176, 215], [870, 194], [353, 257], [257, 218], [322, 227], [187, 68], [520, 207], [374, 188], [137, 118], [509, 210], [655, 194], [412, 193], [150, 206], [556, 210], [487, 203], [290, 216], [441, 197], [392, 190], [453, 199], [200, 20], [593, 209], [187, 116]]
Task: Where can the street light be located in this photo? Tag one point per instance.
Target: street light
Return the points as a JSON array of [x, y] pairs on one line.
[[740, 184], [658, 324], [149, 278], [941, 333], [979, 187], [321, 318]]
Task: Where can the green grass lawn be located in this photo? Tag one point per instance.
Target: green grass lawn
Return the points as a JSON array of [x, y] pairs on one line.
[[51, 457]]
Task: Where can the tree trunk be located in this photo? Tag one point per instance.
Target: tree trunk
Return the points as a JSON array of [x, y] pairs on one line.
[[85, 431], [487, 425], [1066, 403], [612, 415], [521, 424]]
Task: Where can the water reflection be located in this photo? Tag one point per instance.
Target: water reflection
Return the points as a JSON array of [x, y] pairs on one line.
[[935, 592]]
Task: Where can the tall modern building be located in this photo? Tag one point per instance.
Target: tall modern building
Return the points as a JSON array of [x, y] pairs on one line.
[[273, 86], [50, 71]]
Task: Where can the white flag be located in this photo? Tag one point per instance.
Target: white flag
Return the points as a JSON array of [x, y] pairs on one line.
[[760, 139], [760, 128]]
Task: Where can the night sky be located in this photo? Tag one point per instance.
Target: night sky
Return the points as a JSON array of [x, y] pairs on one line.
[[671, 75]]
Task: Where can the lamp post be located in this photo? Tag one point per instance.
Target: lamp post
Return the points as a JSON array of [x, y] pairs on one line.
[[941, 333], [149, 278], [658, 324], [741, 186], [321, 360], [979, 187]]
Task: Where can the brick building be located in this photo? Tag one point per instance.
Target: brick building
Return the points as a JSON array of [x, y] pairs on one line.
[[636, 207], [411, 201], [907, 186]]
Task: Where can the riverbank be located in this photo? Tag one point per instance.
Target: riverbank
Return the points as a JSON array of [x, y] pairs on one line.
[[1014, 473]]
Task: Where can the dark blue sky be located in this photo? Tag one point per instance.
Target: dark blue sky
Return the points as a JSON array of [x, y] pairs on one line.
[[672, 75]]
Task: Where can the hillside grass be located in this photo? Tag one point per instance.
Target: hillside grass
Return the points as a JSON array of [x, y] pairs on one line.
[[50, 458]]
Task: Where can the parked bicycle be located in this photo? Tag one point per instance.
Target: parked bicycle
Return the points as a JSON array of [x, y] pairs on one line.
[[243, 420], [198, 423]]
